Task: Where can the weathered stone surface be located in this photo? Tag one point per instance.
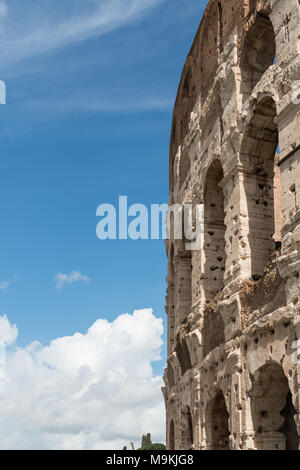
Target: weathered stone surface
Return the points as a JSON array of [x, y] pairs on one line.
[[232, 376]]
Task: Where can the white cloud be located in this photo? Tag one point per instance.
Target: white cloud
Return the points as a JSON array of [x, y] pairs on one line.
[[87, 391], [43, 26], [75, 276], [8, 332]]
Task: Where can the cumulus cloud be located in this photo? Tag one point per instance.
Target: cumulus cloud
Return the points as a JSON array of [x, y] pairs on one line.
[[88, 391], [8, 332], [75, 276]]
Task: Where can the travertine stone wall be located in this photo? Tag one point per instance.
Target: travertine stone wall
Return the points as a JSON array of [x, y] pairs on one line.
[[232, 375]]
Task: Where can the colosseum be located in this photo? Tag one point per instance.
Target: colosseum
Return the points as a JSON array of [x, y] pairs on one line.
[[232, 379]]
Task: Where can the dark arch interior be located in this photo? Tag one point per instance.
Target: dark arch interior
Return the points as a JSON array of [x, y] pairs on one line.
[[258, 53], [216, 419], [187, 438], [170, 375], [183, 355], [273, 412], [171, 301], [214, 232], [185, 103], [172, 436], [183, 285], [185, 165]]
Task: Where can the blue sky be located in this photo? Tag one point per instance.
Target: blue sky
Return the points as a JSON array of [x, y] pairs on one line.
[[90, 90]]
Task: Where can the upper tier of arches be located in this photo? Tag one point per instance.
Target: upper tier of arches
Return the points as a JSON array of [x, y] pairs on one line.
[[221, 18]]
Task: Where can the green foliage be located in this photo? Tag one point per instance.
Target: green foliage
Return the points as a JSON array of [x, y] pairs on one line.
[[147, 444], [146, 440], [153, 447]]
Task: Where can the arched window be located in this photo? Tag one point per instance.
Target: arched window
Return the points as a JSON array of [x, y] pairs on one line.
[[214, 232], [185, 165], [216, 424], [273, 412], [180, 272], [183, 355], [187, 439], [186, 103], [170, 375], [172, 436], [258, 53], [171, 301], [183, 285], [262, 185]]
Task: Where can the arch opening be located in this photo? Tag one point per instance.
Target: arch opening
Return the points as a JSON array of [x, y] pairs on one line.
[[186, 103], [217, 424], [262, 185], [187, 438], [273, 412], [258, 53], [183, 355], [171, 302], [185, 166], [172, 436], [183, 273], [183, 288], [170, 375], [214, 232]]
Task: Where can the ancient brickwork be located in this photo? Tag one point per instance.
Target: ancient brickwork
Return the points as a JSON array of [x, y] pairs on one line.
[[232, 379]]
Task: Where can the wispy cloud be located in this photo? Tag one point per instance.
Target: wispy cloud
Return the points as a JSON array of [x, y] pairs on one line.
[[3, 10], [90, 103], [62, 280], [44, 26], [4, 285]]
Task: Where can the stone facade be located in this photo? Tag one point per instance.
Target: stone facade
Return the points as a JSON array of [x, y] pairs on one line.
[[232, 379]]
